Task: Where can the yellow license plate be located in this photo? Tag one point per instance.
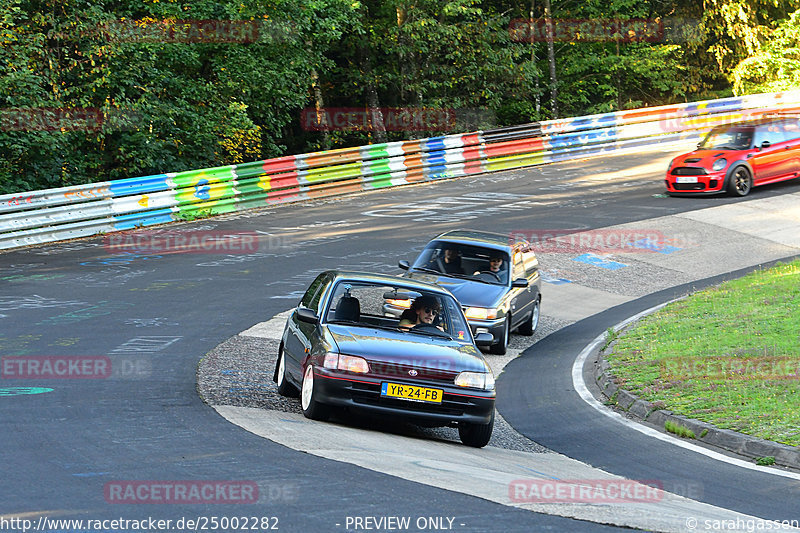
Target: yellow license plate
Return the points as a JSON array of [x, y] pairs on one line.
[[410, 392]]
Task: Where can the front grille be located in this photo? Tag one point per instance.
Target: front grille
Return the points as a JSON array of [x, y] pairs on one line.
[[426, 370], [689, 171], [688, 186]]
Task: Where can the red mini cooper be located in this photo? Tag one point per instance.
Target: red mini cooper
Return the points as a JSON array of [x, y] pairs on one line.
[[737, 157]]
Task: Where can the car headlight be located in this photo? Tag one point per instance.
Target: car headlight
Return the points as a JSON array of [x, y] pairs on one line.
[[349, 363], [403, 304], [719, 164], [480, 313], [476, 380]]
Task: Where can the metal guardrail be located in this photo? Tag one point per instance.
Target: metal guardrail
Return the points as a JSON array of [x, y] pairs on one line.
[[57, 214]]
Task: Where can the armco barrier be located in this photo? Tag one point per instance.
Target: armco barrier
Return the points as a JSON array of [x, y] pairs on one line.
[[57, 214]]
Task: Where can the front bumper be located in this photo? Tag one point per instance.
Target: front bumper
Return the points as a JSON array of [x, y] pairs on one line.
[[712, 183], [364, 394], [496, 327]]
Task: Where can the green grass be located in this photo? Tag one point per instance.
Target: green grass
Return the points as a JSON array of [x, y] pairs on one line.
[[729, 355], [679, 430]]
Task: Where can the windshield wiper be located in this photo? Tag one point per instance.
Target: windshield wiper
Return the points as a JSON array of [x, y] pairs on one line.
[[431, 332], [428, 270]]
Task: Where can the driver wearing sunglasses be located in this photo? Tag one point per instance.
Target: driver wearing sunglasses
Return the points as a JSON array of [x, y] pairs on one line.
[[423, 311]]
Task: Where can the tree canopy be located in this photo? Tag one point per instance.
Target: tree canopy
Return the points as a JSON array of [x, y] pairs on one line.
[[98, 90]]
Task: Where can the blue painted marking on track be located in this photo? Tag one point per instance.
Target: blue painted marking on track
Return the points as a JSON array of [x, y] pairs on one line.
[[655, 246], [17, 391], [591, 259], [547, 278]]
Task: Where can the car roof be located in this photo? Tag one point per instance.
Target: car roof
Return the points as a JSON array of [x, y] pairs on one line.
[[371, 277], [759, 121], [480, 238]]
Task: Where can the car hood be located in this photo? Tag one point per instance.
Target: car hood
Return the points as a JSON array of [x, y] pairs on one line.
[[701, 158], [468, 293], [401, 348]]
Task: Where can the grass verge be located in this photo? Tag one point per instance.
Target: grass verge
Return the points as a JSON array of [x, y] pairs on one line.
[[729, 355]]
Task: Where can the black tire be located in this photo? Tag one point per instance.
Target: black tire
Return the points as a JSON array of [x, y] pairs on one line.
[[741, 182], [476, 435], [284, 387], [502, 345], [528, 327], [311, 407]]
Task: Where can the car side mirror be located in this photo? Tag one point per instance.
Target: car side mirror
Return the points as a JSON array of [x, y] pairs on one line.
[[307, 315], [766, 144], [404, 264], [519, 283], [483, 340]]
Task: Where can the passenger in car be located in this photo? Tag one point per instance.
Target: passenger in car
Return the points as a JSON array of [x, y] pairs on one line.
[[423, 310], [451, 261]]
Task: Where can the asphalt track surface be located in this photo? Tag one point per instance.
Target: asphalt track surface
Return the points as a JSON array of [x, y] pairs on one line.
[[155, 314]]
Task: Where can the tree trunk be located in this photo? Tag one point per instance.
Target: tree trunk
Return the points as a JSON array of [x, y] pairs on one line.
[[537, 98], [376, 124], [319, 105], [551, 58]]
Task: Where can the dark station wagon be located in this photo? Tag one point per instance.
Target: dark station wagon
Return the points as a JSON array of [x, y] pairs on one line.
[[498, 297]]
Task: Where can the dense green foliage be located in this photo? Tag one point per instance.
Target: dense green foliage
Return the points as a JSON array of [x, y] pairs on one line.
[[145, 96]]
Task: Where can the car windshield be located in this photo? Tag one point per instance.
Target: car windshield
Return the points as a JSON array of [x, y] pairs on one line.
[[477, 263], [728, 138], [410, 312]]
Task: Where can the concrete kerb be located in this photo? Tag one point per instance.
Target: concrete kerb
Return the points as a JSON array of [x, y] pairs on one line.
[[654, 415]]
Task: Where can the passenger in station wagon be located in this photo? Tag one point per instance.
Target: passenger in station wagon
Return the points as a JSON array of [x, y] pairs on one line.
[[451, 261]]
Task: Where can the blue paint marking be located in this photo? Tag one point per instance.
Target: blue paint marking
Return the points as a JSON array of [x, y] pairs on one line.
[[134, 220], [547, 278], [597, 261], [128, 186], [655, 246], [436, 158], [434, 143], [437, 172], [202, 190], [17, 391]]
